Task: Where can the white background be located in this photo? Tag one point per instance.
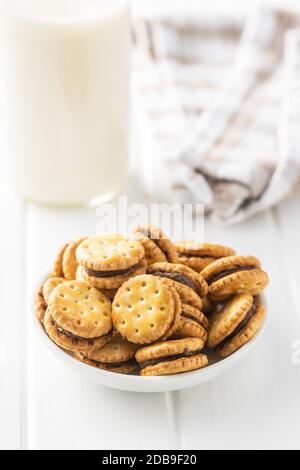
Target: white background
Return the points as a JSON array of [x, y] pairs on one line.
[[45, 406]]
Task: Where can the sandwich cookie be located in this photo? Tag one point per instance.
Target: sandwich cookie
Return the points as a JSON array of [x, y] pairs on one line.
[[235, 325], [187, 295], [158, 248], [200, 255], [172, 357], [194, 314], [57, 267], [78, 317], [50, 285], [40, 305], [146, 309], [69, 261], [109, 293], [117, 356], [65, 264], [190, 328], [42, 296], [181, 274], [108, 262], [235, 275]]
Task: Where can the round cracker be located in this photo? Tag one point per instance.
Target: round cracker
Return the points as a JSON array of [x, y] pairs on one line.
[[57, 267], [177, 313], [81, 309], [188, 296], [244, 336], [194, 278], [188, 328], [40, 305], [114, 282], [209, 250], [194, 314], [248, 282], [117, 350], [50, 285], [224, 322], [109, 254], [169, 348], [72, 344], [160, 240], [153, 253], [178, 366], [226, 264], [144, 309], [69, 261], [195, 263]]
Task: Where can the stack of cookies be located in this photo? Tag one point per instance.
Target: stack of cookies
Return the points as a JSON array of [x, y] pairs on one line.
[[143, 305]]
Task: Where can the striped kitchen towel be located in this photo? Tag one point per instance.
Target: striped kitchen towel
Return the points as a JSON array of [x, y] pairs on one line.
[[216, 102]]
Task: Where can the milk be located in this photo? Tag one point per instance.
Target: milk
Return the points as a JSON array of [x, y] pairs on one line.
[[64, 67]]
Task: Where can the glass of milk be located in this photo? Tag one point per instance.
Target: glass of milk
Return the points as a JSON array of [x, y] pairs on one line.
[[64, 98]]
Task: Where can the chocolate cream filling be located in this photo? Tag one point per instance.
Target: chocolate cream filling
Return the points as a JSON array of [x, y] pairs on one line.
[[178, 277], [154, 362], [120, 272], [195, 255], [240, 327], [73, 337], [228, 272]]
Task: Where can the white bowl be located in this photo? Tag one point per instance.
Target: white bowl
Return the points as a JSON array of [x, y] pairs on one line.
[[134, 383]]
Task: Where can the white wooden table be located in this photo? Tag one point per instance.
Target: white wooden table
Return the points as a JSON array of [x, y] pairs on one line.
[[43, 405]]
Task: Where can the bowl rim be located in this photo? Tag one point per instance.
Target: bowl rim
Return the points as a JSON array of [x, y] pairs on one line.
[[211, 370]]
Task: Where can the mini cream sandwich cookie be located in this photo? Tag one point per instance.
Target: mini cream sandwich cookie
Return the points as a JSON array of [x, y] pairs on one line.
[[235, 325], [57, 270], [146, 309], [189, 327], [172, 357], [40, 305], [65, 264], [69, 261], [109, 293], [50, 285], [193, 323], [117, 356], [42, 296], [181, 274], [235, 275], [187, 295], [78, 317], [109, 261], [195, 314], [158, 248], [200, 255]]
